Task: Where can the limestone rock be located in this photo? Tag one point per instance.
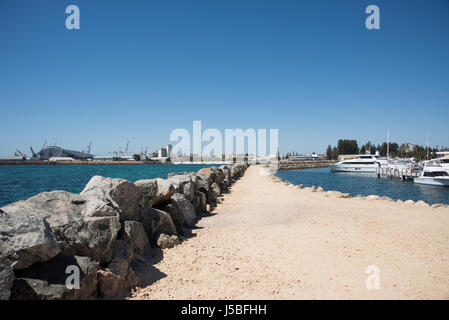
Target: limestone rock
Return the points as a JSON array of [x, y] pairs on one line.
[[134, 234], [165, 190], [176, 216], [189, 190], [48, 280], [25, 238], [186, 208], [372, 197], [345, 195], [422, 204], [148, 192], [116, 281], [156, 221], [165, 241], [122, 194], [202, 201], [6, 278], [214, 193], [87, 228]]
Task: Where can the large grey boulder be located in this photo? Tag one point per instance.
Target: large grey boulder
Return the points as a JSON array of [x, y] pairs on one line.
[[195, 180], [186, 208], [25, 238], [165, 190], [227, 176], [122, 194], [214, 193], [116, 281], [83, 225], [176, 216], [179, 182], [207, 174], [189, 190], [204, 183], [219, 175], [6, 278], [201, 201], [134, 234], [148, 190], [156, 221], [49, 280]]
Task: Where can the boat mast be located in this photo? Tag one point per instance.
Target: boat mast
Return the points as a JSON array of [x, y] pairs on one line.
[[388, 144], [427, 145]]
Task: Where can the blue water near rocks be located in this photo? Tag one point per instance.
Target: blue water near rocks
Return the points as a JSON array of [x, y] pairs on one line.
[[21, 182], [366, 184]]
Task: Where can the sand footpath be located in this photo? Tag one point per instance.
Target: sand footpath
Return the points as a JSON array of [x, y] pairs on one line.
[[267, 240]]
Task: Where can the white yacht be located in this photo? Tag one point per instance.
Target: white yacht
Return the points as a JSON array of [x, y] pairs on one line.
[[444, 161], [366, 163], [403, 164], [433, 174]]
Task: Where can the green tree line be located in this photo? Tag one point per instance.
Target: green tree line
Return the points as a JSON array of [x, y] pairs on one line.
[[403, 150]]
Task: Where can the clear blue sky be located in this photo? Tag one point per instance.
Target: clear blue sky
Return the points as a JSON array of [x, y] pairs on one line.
[[138, 69]]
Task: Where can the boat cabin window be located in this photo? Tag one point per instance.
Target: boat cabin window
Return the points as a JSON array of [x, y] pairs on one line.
[[435, 173], [365, 162]]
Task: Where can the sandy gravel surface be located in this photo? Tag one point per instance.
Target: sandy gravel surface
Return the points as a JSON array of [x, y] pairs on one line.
[[267, 240]]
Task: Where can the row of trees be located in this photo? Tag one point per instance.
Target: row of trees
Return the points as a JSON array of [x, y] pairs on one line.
[[403, 150]]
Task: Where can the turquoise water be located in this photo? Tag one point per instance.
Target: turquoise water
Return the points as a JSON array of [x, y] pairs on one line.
[[22, 182], [366, 184]]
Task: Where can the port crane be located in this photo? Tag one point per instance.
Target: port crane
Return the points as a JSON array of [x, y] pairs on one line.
[[18, 152], [119, 152]]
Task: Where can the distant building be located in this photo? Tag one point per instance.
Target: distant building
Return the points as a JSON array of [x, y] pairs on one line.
[[53, 151], [162, 153], [169, 149]]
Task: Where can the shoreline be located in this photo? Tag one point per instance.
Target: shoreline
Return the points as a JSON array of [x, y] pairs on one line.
[[351, 195], [268, 239]]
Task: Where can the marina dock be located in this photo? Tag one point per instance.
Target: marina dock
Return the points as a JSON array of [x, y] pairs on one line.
[[403, 174]]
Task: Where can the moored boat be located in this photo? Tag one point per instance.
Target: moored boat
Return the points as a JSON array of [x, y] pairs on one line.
[[433, 174]]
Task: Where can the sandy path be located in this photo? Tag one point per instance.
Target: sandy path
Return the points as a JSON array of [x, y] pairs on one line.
[[270, 241]]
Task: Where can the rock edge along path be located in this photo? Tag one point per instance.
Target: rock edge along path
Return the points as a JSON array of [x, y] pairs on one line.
[[268, 240]]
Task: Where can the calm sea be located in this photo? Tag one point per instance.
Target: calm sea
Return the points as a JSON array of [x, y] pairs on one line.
[[22, 182], [366, 184]]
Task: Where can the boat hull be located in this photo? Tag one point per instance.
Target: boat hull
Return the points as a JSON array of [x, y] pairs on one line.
[[349, 168], [432, 182]]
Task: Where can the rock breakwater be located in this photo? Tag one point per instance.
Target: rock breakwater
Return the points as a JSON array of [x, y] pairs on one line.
[[99, 243]]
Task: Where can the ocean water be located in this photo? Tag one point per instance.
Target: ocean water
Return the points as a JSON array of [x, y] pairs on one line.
[[21, 182], [366, 184]]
